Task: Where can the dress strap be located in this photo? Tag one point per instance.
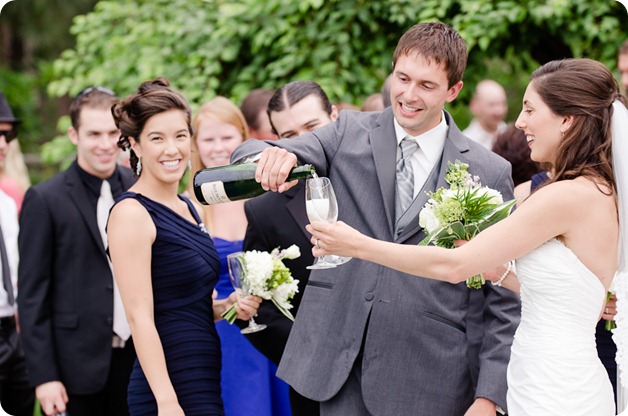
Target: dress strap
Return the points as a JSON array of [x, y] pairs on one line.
[[192, 209]]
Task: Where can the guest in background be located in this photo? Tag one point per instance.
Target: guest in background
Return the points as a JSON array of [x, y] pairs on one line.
[[14, 180], [75, 336], [622, 64], [279, 220], [219, 127], [167, 266], [16, 395], [386, 91], [254, 109], [489, 107], [373, 102], [346, 106]]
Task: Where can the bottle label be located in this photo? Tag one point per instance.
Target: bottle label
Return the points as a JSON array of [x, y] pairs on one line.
[[214, 192]]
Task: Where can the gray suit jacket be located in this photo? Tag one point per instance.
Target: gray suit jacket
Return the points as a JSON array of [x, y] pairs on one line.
[[410, 330]]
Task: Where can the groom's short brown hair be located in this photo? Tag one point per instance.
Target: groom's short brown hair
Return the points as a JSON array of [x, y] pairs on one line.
[[438, 42]]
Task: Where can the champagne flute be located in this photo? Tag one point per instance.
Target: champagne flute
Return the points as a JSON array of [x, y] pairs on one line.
[[237, 272], [321, 205]]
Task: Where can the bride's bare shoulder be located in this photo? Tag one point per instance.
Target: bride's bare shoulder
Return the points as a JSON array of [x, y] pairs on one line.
[[573, 196]]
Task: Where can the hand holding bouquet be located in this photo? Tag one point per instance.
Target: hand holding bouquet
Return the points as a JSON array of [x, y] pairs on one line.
[[461, 211], [263, 274], [610, 296]]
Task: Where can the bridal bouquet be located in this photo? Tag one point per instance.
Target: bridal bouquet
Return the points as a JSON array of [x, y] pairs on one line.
[[461, 211], [265, 275]]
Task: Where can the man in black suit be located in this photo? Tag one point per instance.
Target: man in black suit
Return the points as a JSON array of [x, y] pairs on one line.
[[75, 360], [279, 220], [16, 396]]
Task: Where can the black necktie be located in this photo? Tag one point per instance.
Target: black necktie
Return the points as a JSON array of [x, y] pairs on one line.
[[6, 271]]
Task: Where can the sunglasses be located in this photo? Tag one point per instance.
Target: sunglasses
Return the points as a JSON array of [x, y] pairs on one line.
[[8, 135], [89, 90]]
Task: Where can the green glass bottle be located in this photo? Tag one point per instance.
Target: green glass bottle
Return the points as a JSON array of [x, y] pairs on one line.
[[234, 182]]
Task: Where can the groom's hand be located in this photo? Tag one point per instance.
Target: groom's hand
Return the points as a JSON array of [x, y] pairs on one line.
[[273, 169], [482, 407]]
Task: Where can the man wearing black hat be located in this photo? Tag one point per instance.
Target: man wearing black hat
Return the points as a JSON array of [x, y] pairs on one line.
[[16, 397]]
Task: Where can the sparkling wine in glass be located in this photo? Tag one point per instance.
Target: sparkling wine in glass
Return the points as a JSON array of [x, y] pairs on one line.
[[321, 205], [237, 272]]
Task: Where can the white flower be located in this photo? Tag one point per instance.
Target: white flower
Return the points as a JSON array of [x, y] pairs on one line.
[[283, 293], [496, 196], [428, 220], [292, 252], [611, 289]]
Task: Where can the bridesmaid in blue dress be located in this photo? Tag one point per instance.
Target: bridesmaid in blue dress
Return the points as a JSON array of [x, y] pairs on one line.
[[249, 383], [166, 265]]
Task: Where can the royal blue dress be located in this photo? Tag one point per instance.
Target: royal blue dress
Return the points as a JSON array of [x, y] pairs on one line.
[[184, 269], [249, 383]]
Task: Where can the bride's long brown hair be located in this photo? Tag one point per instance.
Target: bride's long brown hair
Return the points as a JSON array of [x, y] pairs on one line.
[[586, 90]]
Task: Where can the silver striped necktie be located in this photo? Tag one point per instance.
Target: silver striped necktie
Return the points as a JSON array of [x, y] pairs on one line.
[[405, 176]]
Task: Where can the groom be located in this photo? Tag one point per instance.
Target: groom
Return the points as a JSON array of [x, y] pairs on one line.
[[373, 341]]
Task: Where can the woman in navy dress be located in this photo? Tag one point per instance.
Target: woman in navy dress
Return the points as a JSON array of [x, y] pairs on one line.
[[219, 127], [165, 263]]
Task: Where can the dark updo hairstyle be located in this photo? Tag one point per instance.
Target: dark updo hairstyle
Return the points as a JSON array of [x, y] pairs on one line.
[[152, 98], [585, 89]]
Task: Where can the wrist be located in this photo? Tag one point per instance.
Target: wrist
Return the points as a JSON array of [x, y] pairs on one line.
[[509, 267]]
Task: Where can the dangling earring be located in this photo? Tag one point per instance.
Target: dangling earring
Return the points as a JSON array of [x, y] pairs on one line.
[[189, 164], [138, 167]]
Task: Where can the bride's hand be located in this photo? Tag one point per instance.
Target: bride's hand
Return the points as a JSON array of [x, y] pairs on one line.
[[337, 238], [610, 309]]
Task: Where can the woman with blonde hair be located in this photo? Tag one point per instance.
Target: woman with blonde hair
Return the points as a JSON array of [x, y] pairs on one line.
[[219, 127]]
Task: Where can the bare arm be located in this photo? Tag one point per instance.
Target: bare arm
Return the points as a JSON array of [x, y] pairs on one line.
[[131, 258], [548, 213]]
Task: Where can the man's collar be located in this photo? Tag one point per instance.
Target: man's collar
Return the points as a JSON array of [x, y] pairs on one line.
[[431, 142]]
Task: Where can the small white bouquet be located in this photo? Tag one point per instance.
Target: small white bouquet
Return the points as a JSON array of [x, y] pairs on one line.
[[461, 211], [263, 274]]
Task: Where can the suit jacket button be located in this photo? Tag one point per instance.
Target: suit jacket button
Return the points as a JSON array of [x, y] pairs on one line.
[[368, 296], [110, 288], [110, 321]]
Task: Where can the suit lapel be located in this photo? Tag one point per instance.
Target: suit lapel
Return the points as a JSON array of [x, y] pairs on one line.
[[296, 207], [384, 146], [455, 147], [78, 195]]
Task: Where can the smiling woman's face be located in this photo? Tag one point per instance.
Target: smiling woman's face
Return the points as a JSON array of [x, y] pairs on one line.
[[216, 141]]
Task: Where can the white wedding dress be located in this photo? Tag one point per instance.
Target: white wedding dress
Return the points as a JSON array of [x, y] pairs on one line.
[[554, 368]]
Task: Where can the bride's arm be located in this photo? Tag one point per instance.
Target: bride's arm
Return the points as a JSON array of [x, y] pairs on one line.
[[550, 212]]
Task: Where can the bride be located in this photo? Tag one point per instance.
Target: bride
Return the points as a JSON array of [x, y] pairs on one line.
[[564, 237]]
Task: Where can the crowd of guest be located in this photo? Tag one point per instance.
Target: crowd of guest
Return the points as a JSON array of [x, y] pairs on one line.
[[122, 280]]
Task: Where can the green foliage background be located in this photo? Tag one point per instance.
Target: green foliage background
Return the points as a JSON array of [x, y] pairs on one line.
[[228, 47]]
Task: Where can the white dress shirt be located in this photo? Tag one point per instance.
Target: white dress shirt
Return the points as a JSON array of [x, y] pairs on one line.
[[10, 229], [431, 144]]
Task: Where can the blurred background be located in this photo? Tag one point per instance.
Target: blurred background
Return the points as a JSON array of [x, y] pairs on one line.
[[52, 49]]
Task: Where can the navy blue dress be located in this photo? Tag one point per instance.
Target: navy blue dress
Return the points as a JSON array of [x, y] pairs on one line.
[[184, 269]]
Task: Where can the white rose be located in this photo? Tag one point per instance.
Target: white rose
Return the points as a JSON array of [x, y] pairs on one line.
[[428, 220], [292, 252], [496, 197]]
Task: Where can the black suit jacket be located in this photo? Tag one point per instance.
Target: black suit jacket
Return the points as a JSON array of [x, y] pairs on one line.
[[278, 220], [66, 286]]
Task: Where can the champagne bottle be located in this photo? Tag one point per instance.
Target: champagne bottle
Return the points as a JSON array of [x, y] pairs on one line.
[[233, 182]]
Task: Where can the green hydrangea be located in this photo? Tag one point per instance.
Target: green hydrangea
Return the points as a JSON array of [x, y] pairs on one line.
[[457, 175], [448, 211]]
